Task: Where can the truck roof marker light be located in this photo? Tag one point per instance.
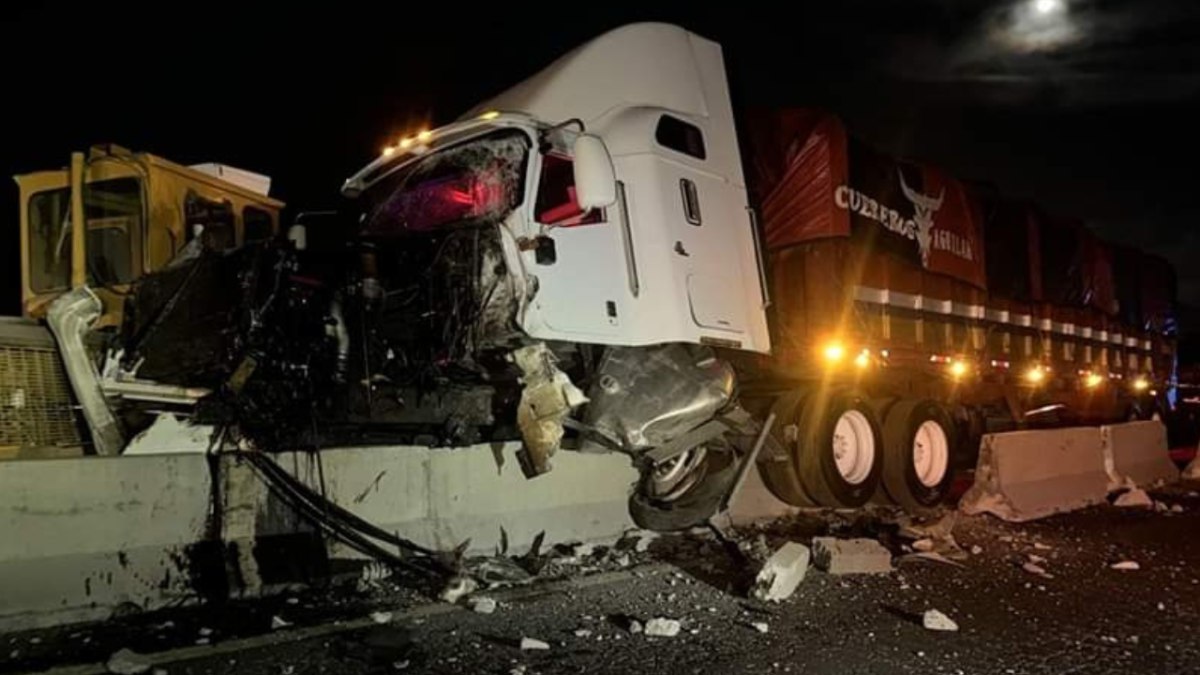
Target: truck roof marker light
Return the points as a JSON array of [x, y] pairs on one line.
[[490, 115], [833, 352]]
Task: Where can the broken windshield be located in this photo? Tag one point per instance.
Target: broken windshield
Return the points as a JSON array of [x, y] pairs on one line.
[[475, 183]]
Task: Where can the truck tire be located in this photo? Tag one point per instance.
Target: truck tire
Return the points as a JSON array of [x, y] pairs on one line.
[[692, 504], [918, 462], [840, 451], [777, 464], [881, 406]]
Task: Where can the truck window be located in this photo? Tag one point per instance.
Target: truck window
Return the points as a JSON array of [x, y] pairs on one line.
[[675, 134], [256, 224], [556, 201], [113, 211], [212, 220]]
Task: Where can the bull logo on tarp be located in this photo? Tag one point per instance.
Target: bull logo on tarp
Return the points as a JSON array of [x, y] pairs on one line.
[[925, 210]]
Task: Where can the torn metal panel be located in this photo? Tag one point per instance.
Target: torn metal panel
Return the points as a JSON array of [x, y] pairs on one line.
[[548, 398], [646, 397]]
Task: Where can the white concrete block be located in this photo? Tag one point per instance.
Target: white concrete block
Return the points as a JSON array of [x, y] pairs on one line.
[[851, 556], [1025, 475], [782, 573], [1136, 452]]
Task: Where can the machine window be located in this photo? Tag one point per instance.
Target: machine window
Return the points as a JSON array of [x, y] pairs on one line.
[[675, 134], [557, 203], [113, 210], [256, 224]]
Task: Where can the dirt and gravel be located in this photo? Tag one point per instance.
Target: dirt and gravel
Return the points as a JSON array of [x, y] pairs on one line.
[[1041, 597]]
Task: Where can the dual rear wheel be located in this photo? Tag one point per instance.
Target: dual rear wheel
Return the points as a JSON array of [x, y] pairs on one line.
[[840, 450]]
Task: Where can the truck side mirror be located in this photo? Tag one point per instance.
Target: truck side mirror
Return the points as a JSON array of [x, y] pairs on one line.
[[595, 178]]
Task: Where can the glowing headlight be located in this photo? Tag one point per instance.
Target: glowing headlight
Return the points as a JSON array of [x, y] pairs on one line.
[[863, 359], [1093, 380], [1035, 375], [958, 369], [1141, 384]]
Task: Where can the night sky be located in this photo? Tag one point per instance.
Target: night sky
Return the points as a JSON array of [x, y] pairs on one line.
[[1092, 108]]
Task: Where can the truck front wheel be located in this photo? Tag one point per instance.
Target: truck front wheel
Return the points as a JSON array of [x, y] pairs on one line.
[[684, 491]]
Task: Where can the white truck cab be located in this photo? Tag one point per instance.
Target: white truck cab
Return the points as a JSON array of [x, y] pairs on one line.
[[673, 257]]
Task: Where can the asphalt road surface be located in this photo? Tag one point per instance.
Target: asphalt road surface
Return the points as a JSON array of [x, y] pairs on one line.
[[1082, 616]]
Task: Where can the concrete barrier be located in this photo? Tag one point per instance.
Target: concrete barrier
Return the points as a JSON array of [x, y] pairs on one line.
[[83, 536], [1137, 453], [1025, 475]]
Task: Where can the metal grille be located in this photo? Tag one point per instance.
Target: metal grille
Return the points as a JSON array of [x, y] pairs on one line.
[[35, 399]]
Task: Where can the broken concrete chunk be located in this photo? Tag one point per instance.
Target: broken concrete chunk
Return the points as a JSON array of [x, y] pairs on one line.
[[760, 626], [1036, 569], [381, 617], [635, 627], [458, 588], [782, 573], [1126, 565], [533, 644], [976, 549], [1161, 507], [582, 633], [278, 623], [482, 605], [923, 545], [128, 662], [1135, 498], [851, 556], [1177, 508], [660, 627], [935, 620]]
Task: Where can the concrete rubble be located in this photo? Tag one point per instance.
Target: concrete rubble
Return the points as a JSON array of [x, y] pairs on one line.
[[1126, 565], [278, 623], [937, 621], [482, 605], [1135, 498], [457, 588], [1034, 568], [381, 617], [128, 662], [660, 627], [533, 644], [851, 556], [782, 573], [761, 626]]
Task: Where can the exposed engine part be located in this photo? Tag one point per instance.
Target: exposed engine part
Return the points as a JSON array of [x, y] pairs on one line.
[[70, 318], [549, 397], [644, 397]]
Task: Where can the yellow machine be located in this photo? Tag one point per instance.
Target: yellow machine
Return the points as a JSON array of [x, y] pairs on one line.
[[140, 211]]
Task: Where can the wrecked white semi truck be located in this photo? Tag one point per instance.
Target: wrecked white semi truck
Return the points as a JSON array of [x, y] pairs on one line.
[[574, 264]]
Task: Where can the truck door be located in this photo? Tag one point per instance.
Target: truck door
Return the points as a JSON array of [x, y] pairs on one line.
[[707, 219]]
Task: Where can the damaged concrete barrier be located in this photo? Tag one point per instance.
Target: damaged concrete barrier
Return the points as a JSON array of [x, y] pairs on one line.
[[1025, 475], [782, 573], [851, 556], [1137, 453]]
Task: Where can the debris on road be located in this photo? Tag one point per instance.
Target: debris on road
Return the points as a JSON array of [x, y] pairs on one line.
[[1192, 472], [381, 617], [206, 632], [782, 573], [1126, 565], [660, 627], [1160, 507], [1036, 569], [533, 644], [923, 545], [937, 621], [127, 662], [760, 626], [583, 633], [458, 588], [1177, 508], [1135, 498], [1037, 545], [635, 627], [482, 605], [976, 549], [278, 623], [851, 556]]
